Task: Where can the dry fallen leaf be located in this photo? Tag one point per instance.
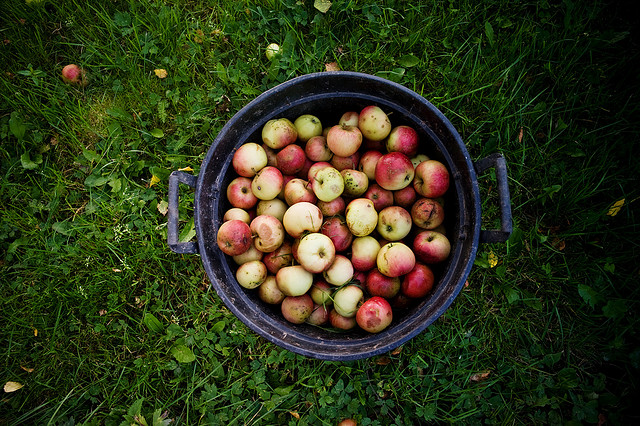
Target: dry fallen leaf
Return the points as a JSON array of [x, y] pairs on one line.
[[615, 208], [160, 73], [332, 66], [12, 386], [397, 351], [383, 360], [27, 369], [521, 134], [294, 414], [478, 377]]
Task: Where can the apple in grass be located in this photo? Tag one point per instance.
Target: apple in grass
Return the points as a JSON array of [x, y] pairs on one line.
[[294, 280], [405, 197], [394, 171], [394, 223], [333, 207], [427, 213], [234, 237], [374, 123], [337, 230], [350, 162], [368, 162], [296, 309], [291, 159], [356, 182], [73, 74], [268, 233], [361, 217], [301, 217], [317, 149], [275, 208], [349, 118], [267, 183], [347, 299], [237, 213], [249, 159], [298, 190], [339, 272], [269, 292], [364, 253], [341, 322], [431, 247], [378, 284], [315, 252], [374, 315], [251, 274], [403, 139], [278, 133], [431, 179], [327, 183], [381, 197], [418, 282], [239, 193], [279, 258], [344, 141], [307, 126], [395, 259], [321, 293]]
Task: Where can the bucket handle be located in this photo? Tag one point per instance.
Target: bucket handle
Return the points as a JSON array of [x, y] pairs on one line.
[[173, 238], [498, 162]]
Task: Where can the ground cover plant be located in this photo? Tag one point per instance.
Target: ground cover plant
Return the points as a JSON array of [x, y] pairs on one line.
[[102, 324]]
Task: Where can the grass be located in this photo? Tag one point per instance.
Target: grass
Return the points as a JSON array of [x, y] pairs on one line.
[[547, 335]]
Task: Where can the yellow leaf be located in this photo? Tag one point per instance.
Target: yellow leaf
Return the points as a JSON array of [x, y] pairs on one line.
[[161, 73], [12, 386], [35, 332], [294, 414], [185, 169], [493, 259], [332, 66], [615, 208], [27, 369], [154, 180]]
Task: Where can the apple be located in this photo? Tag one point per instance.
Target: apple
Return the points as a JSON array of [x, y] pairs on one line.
[[271, 154], [296, 309], [268, 233], [298, 190], [339, 272], [405, 197], [431, 179], [239, 193], [350, 162], [251, 274], [237, 213], [285, 180], [374, 315], [301, 217], [417, 159], [294, 280], [267, 183], [395, 259], [275, 208], [347, 422], [378, 284], [368, 162], [321, 293], [308, 126], [279, 258], [374, 123], [349, 118], [304, 171], [347, 299], [319, 315], [364, 252], [427, 213], [73, 74], [269, 292], [418, 282], [333, 207], [272, 50], [359, 278], [361, 216], [234, 237], [381, 197], [249, 159], [290, 159], [337, 230], [341, 322], [315, 168], [394, 171], [252, 253], [327, 184], [315, 252], [431, 247], [344, 141], [278, 133], [394, 223], [317, 149], [403, 139], [356, 182]]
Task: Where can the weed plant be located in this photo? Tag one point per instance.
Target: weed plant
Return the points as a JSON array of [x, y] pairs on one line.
[[102, 324]]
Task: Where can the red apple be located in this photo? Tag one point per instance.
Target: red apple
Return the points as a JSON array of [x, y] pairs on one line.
[[395, 259], [427, 213], [315, 168], [73, 74], [298, 190], [239, 193], [381, 197], [378, 284], [403, 139], [431, 247], [364, 252], [234, 237], [267, 183], [317, 149], [374, 315], [394, 171], [368, 162], [418, 282], [333, 207], [344, 140], [405, 197], [350, 162], [249, 159], [431, 179], [319, 315], [394, 223], [341, 322], [279, 258], [296, 309], [290, 159], [337, 230]]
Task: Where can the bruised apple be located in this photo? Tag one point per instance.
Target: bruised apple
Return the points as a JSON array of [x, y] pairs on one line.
[[374, 315], [234, 237]]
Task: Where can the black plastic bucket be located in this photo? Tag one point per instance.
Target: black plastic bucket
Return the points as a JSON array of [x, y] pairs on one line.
[[327, 95]]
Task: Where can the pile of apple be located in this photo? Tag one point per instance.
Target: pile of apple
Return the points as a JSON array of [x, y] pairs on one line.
[[338, 226]]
